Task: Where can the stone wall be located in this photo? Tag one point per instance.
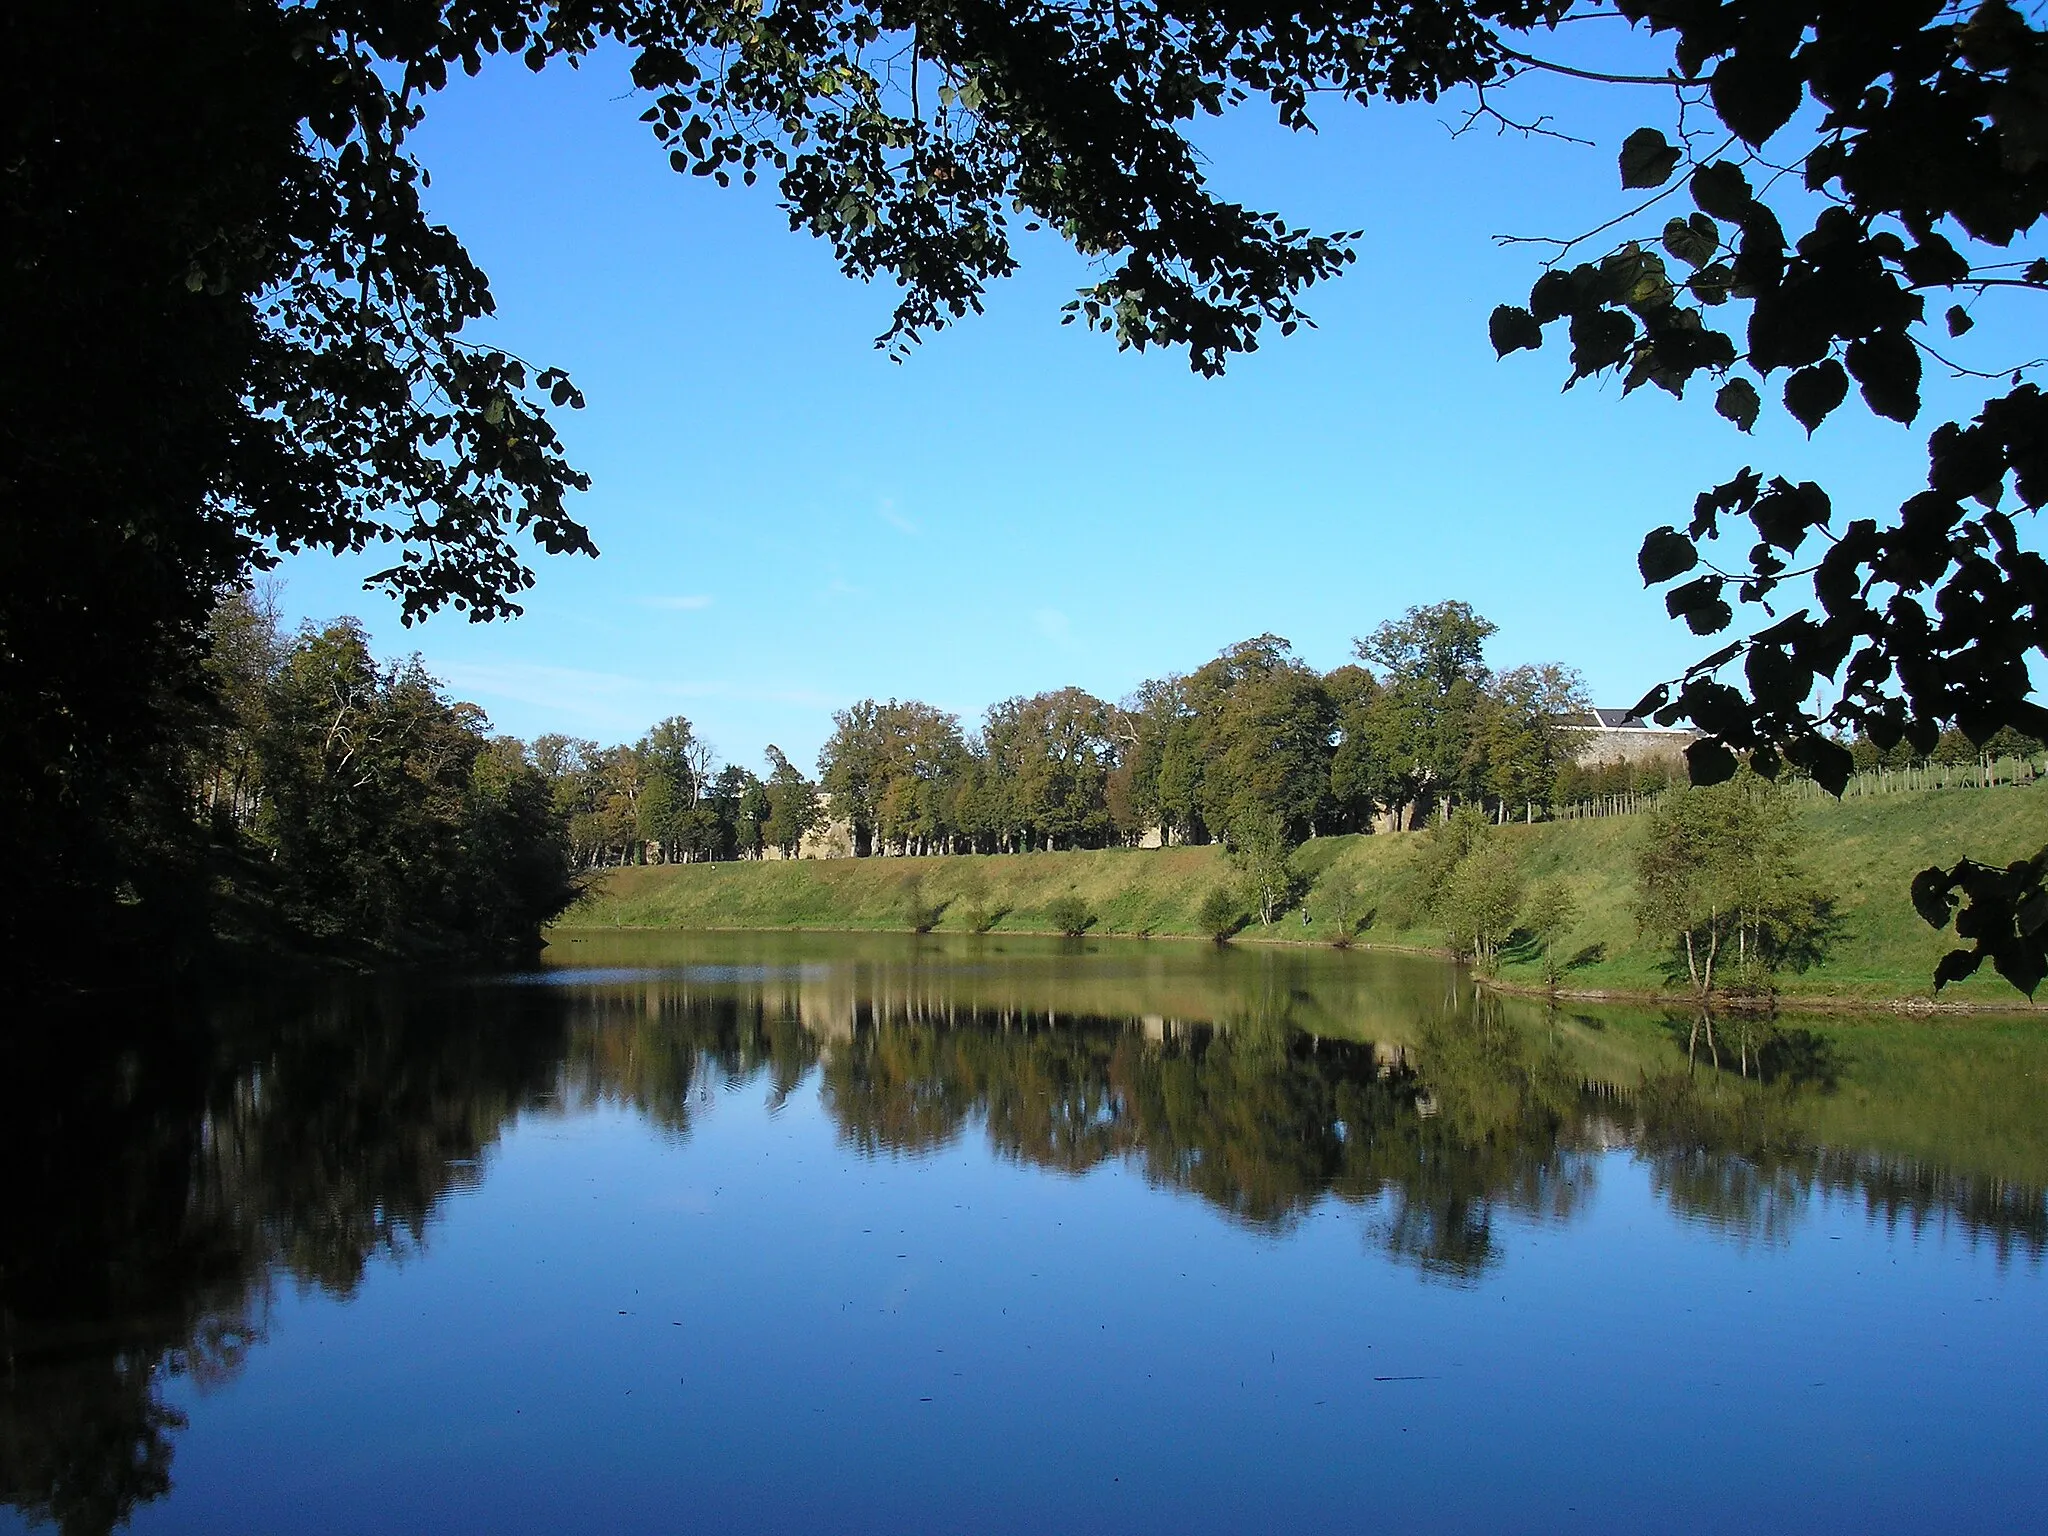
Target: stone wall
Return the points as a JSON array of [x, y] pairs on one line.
[[1631, 744]]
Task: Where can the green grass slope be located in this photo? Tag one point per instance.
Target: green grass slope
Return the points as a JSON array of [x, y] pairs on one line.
[[1862, 852]]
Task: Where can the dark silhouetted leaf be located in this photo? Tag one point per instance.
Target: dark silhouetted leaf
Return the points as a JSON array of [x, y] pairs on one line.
[[1829, 762], [1756, 90], [1693, 241], [1958, 319], [1887, 365], [2021, 962], [1723, 191], [1737, 400], [1647, 159], [1813, 392], [1707, 761], [1933, 896], [1956, 965], [1513, 329], [1666, 553]]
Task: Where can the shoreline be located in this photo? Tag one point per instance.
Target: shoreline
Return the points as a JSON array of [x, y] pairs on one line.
[[1730, 1003]]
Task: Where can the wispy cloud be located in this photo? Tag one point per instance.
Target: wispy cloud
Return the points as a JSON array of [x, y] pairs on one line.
[[689, 604], [603, 699], [887, 513]]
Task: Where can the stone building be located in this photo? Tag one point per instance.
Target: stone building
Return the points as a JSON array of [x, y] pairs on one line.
[[1616, 736], [831, 838]]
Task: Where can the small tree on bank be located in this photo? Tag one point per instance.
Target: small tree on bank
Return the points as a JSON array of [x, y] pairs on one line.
[[1220, 915], [1070, 915], [1481, 901], [1552, 909], [1339, 897], [1261, 855], [1719, 878], [979, 913], [919, 910]]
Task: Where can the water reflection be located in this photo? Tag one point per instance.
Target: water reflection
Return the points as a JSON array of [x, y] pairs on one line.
[[167, 1173]]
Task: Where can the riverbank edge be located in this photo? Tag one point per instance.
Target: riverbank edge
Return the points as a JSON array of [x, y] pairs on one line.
[[1722, 1002]]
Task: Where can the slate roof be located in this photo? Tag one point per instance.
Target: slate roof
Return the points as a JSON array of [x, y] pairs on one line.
[[1612, 720]]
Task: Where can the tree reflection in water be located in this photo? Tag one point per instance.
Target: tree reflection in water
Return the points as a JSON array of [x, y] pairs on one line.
[[167, 1172]]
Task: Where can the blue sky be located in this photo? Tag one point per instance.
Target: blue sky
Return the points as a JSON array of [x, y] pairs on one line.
[[790, 521]]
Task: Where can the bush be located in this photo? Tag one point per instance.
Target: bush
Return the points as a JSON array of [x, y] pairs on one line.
[[977, 911], [1340, 900], [1480, 902], [1221, 914], [1262, 856], [1070, 914], [1553, 908], [923, 916]]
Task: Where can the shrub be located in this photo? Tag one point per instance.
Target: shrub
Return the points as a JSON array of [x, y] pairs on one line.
[[1339, 898], [1070, 914], [922, 915], [1481, 900], [977, 911], [1552, 909], [1221, 914], [1261, 855]]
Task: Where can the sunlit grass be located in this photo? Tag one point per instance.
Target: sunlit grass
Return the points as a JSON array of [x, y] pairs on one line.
[[1863, 853]]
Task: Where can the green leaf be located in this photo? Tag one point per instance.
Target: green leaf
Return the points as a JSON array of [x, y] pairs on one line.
[[1737, 400], [1647, 159], [1666, 553], [1512, 330], [1693, 241]]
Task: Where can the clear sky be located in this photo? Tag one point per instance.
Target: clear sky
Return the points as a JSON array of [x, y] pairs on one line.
[[790, 521]]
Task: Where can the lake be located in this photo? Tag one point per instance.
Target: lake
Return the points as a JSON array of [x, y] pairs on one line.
[[732, 1233]]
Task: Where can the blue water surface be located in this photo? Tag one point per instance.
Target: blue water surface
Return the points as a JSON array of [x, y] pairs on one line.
[[922, 1271]]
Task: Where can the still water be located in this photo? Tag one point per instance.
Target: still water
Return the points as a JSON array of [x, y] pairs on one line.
[[807, 1233]]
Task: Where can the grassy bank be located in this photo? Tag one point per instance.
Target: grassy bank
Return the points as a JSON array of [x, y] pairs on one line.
[[1863, 853]]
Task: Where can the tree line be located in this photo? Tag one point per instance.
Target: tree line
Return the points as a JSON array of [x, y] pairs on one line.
[[1255, 743], [1253, 740], [343, 806], [335, 804]]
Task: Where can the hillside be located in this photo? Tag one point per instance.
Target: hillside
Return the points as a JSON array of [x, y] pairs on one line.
[[1863, 852]]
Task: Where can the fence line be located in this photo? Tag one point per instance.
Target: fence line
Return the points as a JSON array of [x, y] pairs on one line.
[[1985, 773]]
